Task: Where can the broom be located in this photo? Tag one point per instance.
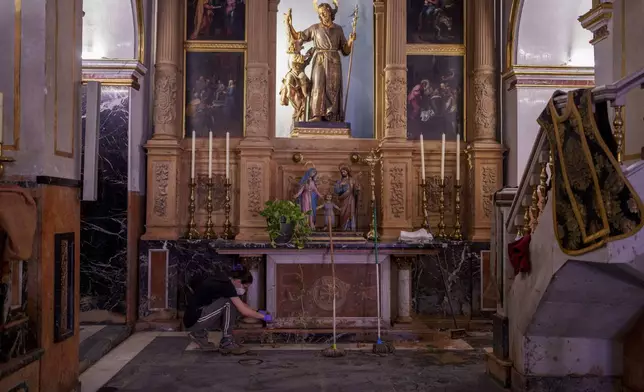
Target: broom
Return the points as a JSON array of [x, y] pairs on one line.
[[333, 351], [379, 347]]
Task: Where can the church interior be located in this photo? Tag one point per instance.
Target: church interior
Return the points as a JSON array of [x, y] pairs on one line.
[[447, 193]]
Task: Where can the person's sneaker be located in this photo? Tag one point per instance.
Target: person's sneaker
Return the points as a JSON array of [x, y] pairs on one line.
[[228, 346], [202, 342]]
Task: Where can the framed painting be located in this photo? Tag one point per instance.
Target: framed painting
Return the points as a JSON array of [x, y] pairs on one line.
[[436, 22], [435, 96], [216, 20], [215, 93]]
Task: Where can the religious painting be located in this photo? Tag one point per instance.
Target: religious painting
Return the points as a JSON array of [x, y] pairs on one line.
[[216, 20], [435, 96], [435, 22], [215, 93], [64, 303]]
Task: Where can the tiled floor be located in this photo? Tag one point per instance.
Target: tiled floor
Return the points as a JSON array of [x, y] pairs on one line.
[[166, 361]]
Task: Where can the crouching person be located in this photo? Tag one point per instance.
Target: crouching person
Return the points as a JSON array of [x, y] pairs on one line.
[[214, 304]]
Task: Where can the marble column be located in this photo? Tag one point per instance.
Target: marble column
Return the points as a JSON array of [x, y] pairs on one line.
[[164, 149], [255, 149], [254, 293], [404, 264], [485, 154]]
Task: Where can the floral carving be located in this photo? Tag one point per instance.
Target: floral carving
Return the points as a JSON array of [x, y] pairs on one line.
[[161, 177], [397, 191], [257, 106], [434, 193], [255, 190], [484, 105], [218, 192], [488, 187], [395, 103], [165, 97]]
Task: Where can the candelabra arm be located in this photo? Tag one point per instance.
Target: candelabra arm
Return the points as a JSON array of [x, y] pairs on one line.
[[192, 233], [442, 235], [457, 234], [210, 232], [228, 230], [424, 185]]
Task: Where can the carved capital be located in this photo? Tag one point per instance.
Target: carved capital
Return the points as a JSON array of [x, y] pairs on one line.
[[396, 102], [484, 105], [251, 263], [257, 101], [165, 97], [403, 262]]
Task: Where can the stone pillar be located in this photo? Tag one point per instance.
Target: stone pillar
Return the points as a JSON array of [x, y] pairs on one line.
[[397, 169], [485, 153], [404, 264], [164, 150], [256, 149]]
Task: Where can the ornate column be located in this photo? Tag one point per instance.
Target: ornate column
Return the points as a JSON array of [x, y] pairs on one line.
[[397, 169], [162, 221], [254, 295], [404, 264], [256, 148], [485, 154]]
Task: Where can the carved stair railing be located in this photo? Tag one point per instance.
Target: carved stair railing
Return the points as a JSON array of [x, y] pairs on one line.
[[532, 193]]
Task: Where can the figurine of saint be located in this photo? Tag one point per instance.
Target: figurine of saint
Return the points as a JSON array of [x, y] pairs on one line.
[[308, 195], [329, 212], [326, 75], [296, 86], [347, 191]]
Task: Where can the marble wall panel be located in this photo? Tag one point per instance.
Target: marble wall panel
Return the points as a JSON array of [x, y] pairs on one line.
[[104, 221]]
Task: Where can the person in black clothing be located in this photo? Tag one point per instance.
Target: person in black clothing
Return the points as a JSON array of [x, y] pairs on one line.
[[214, 304]]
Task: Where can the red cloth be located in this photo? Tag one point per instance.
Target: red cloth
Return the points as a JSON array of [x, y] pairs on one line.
[[519, 252]]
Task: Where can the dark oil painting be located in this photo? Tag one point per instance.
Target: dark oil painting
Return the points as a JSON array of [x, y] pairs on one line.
[[435, 21], [434, 96], [215, 93], [216, 20]]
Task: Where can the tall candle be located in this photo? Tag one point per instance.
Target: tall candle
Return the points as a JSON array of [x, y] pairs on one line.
[[443, 160], [1, 119], [422, 156], [192, 163], [227, 155], [210, 154], [458, 157]]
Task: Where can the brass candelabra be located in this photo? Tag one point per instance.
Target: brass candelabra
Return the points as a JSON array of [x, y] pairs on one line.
[[425, 189], [210, 232], [228, 230], [372, 160], [441, 213], [457, 235], [192, 233], [3, 159]]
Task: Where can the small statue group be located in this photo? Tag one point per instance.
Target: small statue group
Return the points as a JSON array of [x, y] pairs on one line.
[[346, 189]]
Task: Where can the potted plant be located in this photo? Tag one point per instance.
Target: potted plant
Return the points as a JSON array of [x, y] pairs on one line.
[[286, 223]]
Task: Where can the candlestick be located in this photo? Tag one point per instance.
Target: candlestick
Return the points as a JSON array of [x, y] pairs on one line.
[[458, 157], [192, 233], [443, 159], [441, 213], [228, 231], [210, 232], [192, 156], [457, 235], [422, 157], [210, 154], [425, 189], [372, 160], [227, 155]]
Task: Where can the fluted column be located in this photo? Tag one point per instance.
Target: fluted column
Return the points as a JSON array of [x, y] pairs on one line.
[[404, 264], [483, 80], [396, 71], [166, 107]]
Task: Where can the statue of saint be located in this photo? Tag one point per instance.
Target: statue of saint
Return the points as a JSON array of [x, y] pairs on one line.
[[308, 194], [347, 191], [326, 75], [296, 86]]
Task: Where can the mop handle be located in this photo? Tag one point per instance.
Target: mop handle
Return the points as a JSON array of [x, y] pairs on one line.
[[332, 275], [375, 237]]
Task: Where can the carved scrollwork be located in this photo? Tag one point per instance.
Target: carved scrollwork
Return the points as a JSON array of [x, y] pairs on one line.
[[484, 105], [165, 97], [255, 180], [397, 191], [218, 191], [434, 192], [161, 177], [257, 104], [488, 187], [396, 102]]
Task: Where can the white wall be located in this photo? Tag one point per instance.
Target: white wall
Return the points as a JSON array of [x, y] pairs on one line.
[[361, 93]]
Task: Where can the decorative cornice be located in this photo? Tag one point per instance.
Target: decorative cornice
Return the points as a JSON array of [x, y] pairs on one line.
[[597, 21], [549, 77], [114, 72]]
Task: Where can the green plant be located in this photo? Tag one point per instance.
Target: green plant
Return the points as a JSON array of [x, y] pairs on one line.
[[285, 212]]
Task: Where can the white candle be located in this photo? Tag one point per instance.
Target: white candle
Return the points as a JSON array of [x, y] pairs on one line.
[[422, 157], [458, 157], [1, 118], [192, 163], [227, 155], [210, 154], [443, 159]]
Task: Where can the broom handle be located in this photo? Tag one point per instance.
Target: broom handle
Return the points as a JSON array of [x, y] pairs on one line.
[[332, 275]]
